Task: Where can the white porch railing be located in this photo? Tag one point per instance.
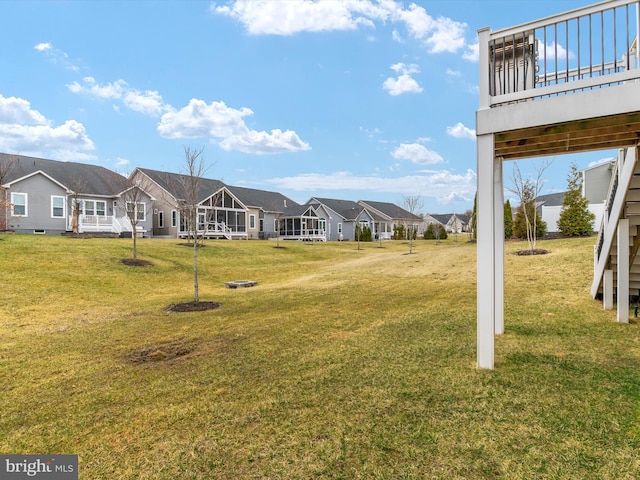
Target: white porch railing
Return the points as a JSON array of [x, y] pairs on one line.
[[587, 48], [102, 223]]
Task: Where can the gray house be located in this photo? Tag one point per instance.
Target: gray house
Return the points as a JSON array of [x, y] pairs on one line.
[[52, 197], [341, 217], [220, 213], [267, 211], [389, 215]]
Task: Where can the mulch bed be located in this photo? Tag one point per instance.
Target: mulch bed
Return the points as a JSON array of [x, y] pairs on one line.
[[136, 263], [193, 306]]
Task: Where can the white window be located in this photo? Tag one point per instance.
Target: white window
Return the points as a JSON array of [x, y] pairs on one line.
[[101, 208], [136, 210], [160, 219], [57, 207], [89, 207], [252, 222], [339, 228], [174, 218], [19, 204]]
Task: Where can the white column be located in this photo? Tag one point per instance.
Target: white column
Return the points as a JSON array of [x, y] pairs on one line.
[[486, 251], [623, 270], [607, 290], [498, 244]]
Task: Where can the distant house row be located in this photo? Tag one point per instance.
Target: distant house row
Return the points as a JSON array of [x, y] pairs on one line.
[[51, 197]]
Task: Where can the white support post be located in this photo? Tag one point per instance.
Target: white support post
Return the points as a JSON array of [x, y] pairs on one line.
[[623, 270], [607, 290], [498, 194], [486, 250]]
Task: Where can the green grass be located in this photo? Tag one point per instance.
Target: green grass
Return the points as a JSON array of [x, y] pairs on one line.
[[340, 364]]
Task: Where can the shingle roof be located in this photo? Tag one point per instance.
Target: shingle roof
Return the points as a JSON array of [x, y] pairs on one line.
[[345, 208], [442, 218], [268, 201], [175, 183], [78, 177], [551, 199], [391, 210]]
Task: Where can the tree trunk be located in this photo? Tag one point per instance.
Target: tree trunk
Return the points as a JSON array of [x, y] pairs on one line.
[[196, 297]]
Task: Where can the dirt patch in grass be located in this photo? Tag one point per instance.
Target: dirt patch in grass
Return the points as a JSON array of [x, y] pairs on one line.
[[130, 262], [535, 251], [193, 306], [163, 352]]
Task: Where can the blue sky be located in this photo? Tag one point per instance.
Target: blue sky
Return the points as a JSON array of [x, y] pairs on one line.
[[366, 99]]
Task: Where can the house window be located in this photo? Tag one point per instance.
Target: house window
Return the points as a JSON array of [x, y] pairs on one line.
[[19, 204], [101, 208], [160, 219], [89, 207], [174, 218], [57, 207], [339, 228], [137, 209], [252, 222], [261, 223]]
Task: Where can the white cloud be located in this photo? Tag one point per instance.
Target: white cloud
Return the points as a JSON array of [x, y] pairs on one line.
[[15, 110], [148, 102], [294, 16], [472, 53], [453, 73], [459, 130], [55, 55], [114, 90], [416, 153], [549, 52], [226, 125], [25, 130], [438, 184], [43, 47], [404, 83]]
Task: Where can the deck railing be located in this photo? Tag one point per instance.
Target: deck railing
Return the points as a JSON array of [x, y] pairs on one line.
[[587, 48]]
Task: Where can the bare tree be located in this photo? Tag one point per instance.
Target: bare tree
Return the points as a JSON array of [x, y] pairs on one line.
[[195, 171], [527, 190], [132, 199], [6, 164], [413, 204]]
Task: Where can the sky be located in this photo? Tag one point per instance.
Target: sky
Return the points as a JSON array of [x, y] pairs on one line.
[[354, 100]]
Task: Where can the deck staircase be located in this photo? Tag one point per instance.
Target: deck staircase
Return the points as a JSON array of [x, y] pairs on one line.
[[623, 203]]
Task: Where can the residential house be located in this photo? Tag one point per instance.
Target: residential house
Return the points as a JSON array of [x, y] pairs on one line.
[[267, 212], [220, 214], [52, 197], [596, 181], [387, 216], [341, 217]]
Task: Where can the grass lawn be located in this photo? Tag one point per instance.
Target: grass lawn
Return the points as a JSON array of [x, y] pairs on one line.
[[340, 364]]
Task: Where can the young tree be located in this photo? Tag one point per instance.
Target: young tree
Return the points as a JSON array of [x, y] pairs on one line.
[[133, 202], [6, 164], [413, 204], [508, 220], [575, 217], [527, 190], [195, 171]]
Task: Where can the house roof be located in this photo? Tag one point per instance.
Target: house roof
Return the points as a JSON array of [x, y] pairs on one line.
[[80, 178], [463, 217], [268, 201], [345, 208], [390, 210], [175, 183], [551, 199], [443, 218]]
